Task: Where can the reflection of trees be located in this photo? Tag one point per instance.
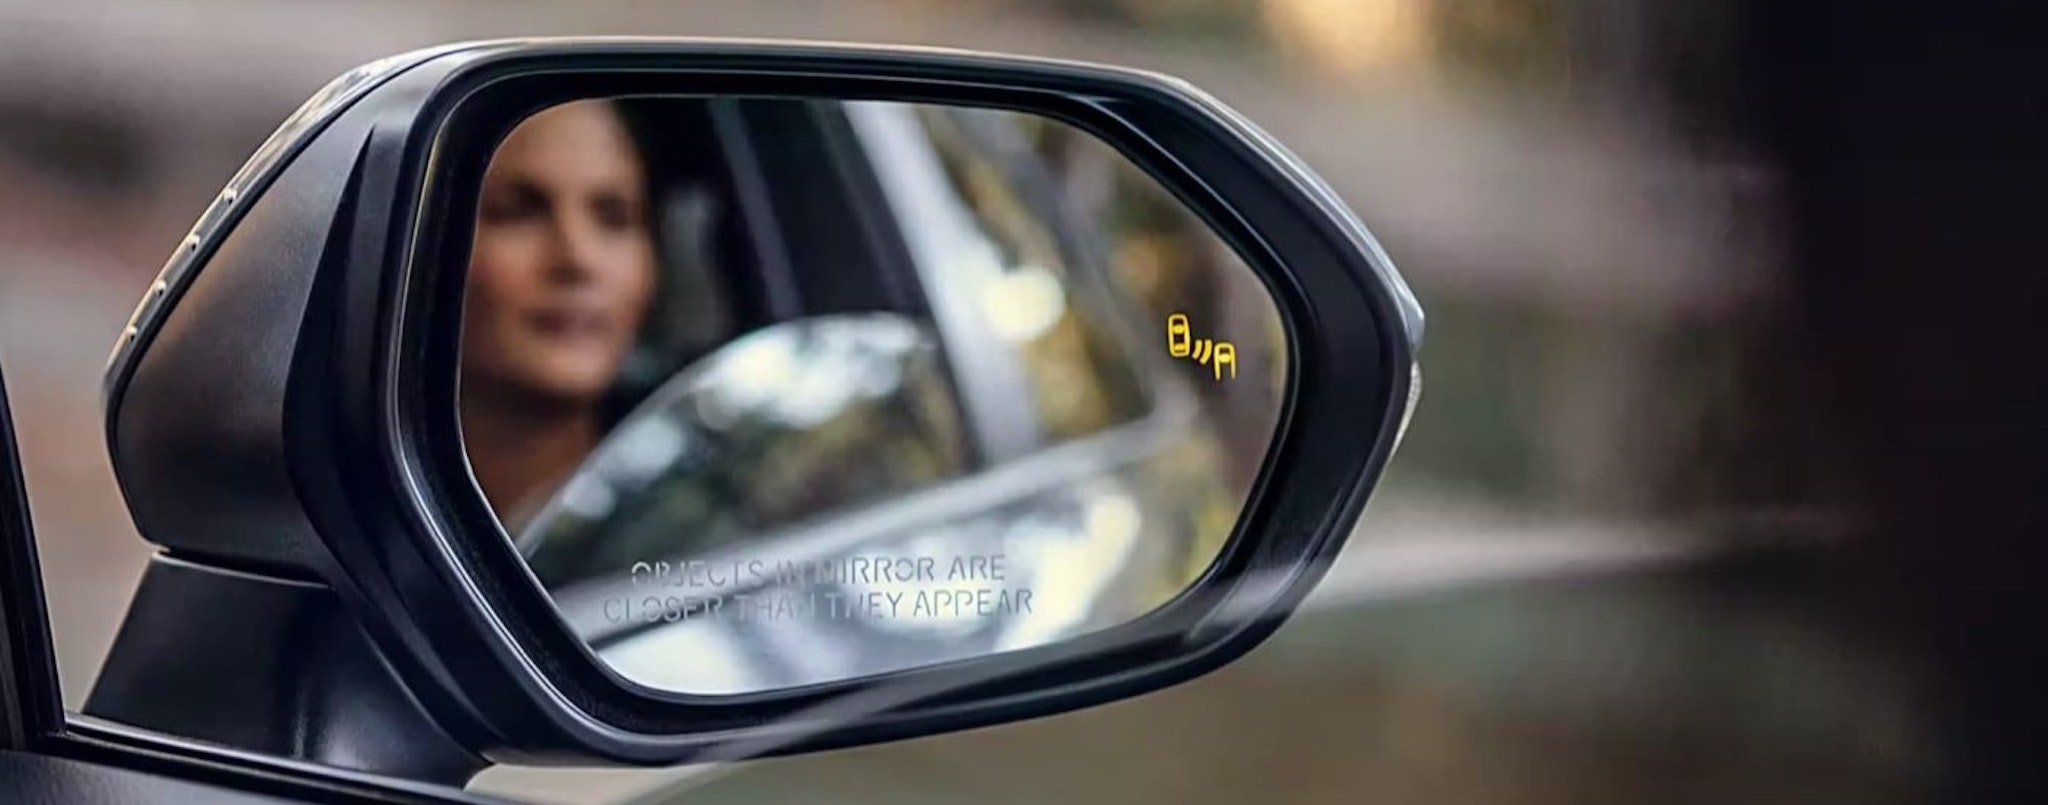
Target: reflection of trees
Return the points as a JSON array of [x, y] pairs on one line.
[[1170, 260], [1080, 374], [1163, 257], [1195, 508]]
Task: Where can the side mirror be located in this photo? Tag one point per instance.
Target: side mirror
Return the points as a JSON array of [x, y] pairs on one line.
[[638, 400]]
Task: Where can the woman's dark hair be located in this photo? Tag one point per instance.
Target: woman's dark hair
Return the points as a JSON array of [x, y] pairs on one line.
[[683, 317], [633, 383]]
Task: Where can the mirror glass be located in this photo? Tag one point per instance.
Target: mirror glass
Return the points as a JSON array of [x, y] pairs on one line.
[[778, 392]]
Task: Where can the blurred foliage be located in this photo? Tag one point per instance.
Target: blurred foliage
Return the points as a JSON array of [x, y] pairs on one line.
[[93, 150], [1168, 260], [1194, 18], [1204, 508], [1526, 43], [1744, 392], [1160, 258], [1475, 432], [1081, 373], [1177, 18]]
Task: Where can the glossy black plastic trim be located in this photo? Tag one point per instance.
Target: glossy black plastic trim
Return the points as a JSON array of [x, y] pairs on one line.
[[35, 721], [255, 176], [296, 677], [106, 743]]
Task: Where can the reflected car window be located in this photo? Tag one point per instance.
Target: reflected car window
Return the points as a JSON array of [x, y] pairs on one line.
[[1079, 371]]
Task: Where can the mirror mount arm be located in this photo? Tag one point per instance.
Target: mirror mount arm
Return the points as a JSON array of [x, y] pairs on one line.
[[269, 665]]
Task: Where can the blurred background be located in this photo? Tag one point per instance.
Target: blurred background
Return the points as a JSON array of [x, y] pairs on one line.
[[1602, 570]]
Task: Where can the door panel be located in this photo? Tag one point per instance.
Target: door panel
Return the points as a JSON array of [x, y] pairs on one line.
[[29, 698]]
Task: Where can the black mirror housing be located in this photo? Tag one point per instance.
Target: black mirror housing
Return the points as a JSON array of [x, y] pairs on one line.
[[283, 401]]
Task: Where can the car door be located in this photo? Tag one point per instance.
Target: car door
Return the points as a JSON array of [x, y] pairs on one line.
[[49, 755], [28, 694], [31, 712]]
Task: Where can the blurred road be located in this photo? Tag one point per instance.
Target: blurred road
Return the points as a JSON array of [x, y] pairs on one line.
[[1545, 664], [1587, 689]]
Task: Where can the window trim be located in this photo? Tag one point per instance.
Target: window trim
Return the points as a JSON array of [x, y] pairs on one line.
[[30, 695], [995, 393]]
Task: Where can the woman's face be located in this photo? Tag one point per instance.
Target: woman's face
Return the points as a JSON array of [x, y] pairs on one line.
[[563, 265]]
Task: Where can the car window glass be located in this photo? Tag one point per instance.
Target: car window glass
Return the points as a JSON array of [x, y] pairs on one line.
[[1081, 374]]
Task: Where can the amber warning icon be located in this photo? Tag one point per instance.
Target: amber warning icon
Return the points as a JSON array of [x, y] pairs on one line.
[[1182, 343]]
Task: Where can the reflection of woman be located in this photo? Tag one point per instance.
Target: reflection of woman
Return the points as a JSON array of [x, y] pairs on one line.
[[560, 280]]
